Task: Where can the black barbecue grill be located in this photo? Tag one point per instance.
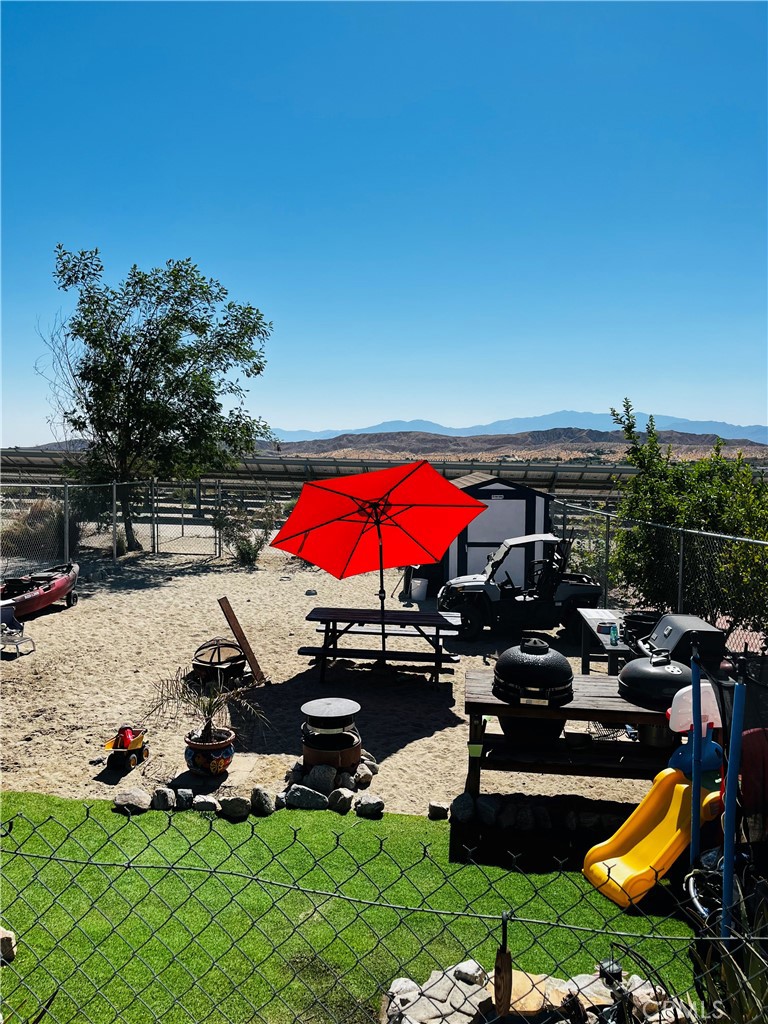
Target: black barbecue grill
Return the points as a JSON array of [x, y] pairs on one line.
[[663, 662], [533, 674], [676, 633]]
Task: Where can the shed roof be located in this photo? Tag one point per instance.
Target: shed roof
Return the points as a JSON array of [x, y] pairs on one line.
[[474, 479]]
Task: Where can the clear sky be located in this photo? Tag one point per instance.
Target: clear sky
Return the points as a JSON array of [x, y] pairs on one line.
[[460, 212]]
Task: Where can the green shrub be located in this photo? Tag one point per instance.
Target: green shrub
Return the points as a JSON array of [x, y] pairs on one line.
[[246, 533]]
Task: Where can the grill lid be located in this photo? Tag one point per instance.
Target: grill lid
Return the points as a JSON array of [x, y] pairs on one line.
[[330, 712], [533, 665], [652, 682]]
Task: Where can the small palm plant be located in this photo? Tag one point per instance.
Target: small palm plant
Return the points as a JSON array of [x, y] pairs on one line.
[[210, 702]]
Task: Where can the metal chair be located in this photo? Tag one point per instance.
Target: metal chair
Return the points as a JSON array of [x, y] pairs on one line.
[[12, 631]]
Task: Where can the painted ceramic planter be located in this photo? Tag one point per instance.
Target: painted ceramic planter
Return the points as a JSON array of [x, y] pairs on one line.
[[210, 758]]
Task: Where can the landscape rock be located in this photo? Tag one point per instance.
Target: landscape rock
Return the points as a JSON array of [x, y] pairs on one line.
[[204, 802], [437, 812], [470, 972], [369, 806], [438, 986], [370, 764], [487, 808], [508, 815], [366, 755], [321, 777], [184, 798], [7, 945], [463, 808], [340, 800], [164, 799], [133, 801], [524, 822], [306, 799], [363, 776], [262, 803], [345, 780], [236, 808], [543, 818], [280, 799]]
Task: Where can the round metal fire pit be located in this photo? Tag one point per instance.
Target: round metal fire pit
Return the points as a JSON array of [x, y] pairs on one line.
[[219, 658], [329, 734]]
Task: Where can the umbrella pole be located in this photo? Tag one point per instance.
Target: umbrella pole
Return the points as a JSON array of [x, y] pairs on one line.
[[382, 591]]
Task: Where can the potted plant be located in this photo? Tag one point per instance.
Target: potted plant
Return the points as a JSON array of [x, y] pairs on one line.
[[210, 746]]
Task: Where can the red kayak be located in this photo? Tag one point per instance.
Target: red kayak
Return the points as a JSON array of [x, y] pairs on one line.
[[31, 593]]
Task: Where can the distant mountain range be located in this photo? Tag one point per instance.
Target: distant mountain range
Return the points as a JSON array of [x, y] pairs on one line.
[[549, 421]]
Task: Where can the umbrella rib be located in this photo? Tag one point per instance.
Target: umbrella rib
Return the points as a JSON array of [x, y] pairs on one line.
[[347, 516]]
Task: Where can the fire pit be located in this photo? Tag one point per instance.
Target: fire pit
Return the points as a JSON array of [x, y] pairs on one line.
[[329, 734], [219, 658]]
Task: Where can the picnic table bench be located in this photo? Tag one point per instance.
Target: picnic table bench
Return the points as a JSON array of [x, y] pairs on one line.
[[431, 627]]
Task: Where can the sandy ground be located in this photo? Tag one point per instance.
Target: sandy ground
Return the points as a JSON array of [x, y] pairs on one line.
[[97, 664]]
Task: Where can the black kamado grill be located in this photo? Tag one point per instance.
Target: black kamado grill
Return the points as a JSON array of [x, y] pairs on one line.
[[533, 674], [329, 734]]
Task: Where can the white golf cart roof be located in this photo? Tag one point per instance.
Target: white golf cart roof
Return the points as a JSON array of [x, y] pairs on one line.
[[516, 542], [531, 538]]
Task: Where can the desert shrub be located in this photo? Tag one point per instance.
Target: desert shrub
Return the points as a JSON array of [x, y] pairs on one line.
[[245, 532], [37, 533]]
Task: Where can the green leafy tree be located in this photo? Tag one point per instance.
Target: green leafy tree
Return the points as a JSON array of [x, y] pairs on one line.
[[143, 372], [723, 578]]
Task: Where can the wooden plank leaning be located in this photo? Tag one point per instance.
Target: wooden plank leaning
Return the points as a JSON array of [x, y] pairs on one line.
[[234, 625]]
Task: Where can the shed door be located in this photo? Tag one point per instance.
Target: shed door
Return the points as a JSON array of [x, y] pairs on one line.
[[503, 517]]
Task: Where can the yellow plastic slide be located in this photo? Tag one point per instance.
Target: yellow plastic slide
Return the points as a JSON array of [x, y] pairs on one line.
[[630, 863]]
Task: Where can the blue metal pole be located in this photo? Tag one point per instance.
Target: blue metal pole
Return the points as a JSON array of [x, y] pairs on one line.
[[731, 800], [696, 767]]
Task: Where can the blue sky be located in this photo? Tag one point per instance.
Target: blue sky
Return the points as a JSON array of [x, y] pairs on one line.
[[460, 212]]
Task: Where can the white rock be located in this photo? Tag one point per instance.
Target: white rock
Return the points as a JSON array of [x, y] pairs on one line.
[[133, 800], [203, 802], [236, 808], [470, 972]]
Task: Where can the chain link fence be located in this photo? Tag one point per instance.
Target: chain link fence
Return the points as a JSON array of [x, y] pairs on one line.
[[51, 523], [184, 917], [721, 579]]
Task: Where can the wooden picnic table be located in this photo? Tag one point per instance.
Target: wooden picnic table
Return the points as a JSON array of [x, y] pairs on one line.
[[426, 628], [595, 699]]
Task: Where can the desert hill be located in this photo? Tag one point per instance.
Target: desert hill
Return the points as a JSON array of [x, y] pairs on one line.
[[560, 443]]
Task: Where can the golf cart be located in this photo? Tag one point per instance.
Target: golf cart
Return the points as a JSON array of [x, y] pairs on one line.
[[551, 597]]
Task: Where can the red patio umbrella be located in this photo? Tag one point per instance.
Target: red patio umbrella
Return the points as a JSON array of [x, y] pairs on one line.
[[406, 515]]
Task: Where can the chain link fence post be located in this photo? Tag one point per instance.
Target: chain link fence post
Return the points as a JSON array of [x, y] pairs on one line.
[[680, 573], [607, 560], [114, 522], [66, 522], [218, 513]]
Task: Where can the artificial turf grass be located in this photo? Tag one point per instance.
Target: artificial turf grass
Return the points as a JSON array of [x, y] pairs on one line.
[[166, 906]]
